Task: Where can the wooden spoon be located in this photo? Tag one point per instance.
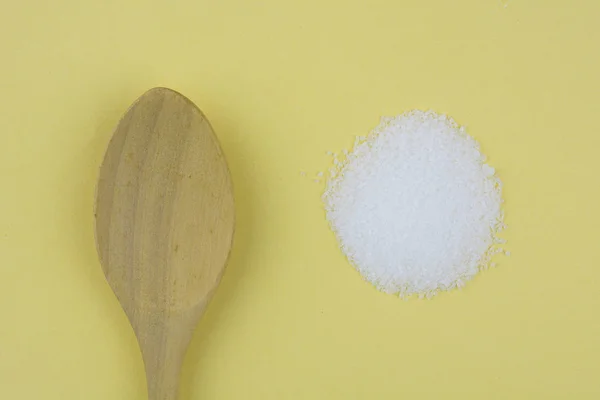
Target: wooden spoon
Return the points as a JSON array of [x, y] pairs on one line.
[[164, 226]]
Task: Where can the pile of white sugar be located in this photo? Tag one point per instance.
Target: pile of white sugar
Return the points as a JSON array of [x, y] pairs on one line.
[[414, 206]]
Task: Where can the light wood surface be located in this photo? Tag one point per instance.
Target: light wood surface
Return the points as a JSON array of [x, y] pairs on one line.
[[164, 226]]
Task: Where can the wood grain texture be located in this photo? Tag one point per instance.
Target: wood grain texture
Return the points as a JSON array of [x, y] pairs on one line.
[[164, 226]]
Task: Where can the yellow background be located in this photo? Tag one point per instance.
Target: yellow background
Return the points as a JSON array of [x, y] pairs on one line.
[[283, 82]]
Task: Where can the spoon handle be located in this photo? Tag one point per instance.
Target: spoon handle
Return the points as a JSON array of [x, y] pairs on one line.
[[163, 343], [163, 367]]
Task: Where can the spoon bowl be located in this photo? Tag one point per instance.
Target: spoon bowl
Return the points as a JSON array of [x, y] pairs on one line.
[[164, 218]]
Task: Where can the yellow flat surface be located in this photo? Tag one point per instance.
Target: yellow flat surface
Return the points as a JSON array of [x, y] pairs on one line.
[[283, 82]]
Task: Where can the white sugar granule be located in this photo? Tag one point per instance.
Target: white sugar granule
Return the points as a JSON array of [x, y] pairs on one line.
[[414, 206]]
